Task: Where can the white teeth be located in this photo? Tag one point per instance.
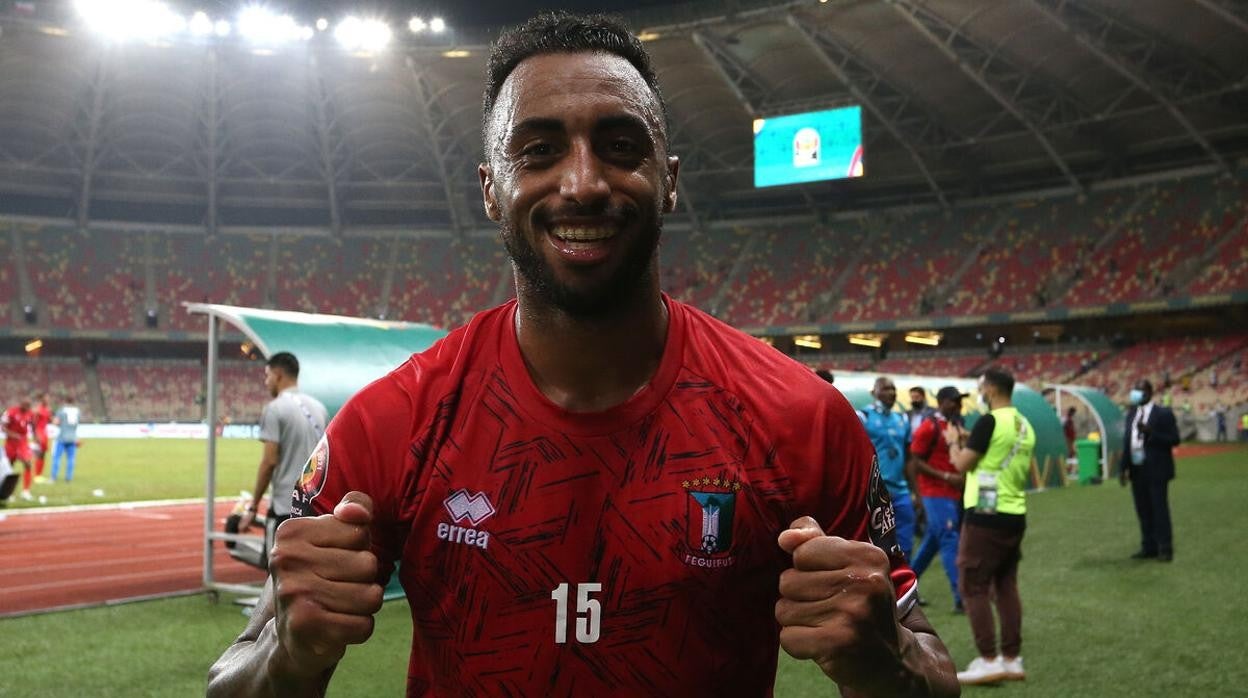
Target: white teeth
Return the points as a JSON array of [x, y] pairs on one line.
[[582, 234]]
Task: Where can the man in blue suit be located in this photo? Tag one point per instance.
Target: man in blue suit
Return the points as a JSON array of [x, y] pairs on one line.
[[1148, 463]]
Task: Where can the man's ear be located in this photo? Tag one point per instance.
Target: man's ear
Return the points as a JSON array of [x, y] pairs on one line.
[[671, 177], [486, 175]]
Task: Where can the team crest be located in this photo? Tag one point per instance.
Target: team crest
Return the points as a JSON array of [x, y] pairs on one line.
[[312, 479], [712, 509]]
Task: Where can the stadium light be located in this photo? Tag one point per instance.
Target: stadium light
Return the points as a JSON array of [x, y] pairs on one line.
[[306, 32], [931, 339], [437, 25], [322, 24], [200, 25], [648, 36], [130, 19], [416, 25], [262, 26], [809, 341], [875, 341], [357, 34], [34, 345], [221, 28]]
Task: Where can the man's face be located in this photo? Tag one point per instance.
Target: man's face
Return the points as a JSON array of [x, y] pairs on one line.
[[578, 177], [270, 380], [886, 392], [917, 399], [1147, 389], [950, 408]]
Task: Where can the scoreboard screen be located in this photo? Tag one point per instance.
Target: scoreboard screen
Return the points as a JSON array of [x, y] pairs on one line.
[[808, 147]]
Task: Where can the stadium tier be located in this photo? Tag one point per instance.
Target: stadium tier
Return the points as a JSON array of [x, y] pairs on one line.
[[1043, 367], [1183, 238], [58, 377], [1167, 363], [152, 390], [927, 364]]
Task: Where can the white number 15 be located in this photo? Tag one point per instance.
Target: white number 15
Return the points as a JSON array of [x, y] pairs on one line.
[[589, 613]]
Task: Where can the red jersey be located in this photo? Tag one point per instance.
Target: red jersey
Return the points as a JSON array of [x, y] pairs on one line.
[[43, 417], [928, 442], [16, 420], [625, 552]]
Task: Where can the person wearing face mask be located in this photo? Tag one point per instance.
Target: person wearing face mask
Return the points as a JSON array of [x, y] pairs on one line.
[[996, 460], [890, 434], [919, 409], [1148, 464]]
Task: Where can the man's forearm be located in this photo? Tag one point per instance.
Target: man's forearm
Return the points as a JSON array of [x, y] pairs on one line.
[[263, 475], [254, 669]]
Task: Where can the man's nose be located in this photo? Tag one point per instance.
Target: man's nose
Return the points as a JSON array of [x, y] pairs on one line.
[[584, 179]]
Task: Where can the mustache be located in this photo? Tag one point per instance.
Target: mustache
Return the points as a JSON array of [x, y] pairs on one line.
[[614, 212]]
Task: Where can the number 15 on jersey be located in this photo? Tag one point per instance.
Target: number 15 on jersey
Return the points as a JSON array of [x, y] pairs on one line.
[[588, 613]]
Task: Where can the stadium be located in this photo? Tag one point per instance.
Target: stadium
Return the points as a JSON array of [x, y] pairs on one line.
[[920, 189]]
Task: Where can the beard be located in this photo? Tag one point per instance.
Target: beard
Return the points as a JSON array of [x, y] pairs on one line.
[[594, 300]]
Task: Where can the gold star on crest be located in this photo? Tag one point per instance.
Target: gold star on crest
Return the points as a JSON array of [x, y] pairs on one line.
[[736, 487], [706, 481], [716, 482], [685, 484]]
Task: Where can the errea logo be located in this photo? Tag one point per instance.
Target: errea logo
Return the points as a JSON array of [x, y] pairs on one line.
[[473, 508]]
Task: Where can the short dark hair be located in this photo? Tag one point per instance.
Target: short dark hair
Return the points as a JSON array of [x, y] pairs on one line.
[[1000, 378], [285, 361], [919, 389], [564, 32]]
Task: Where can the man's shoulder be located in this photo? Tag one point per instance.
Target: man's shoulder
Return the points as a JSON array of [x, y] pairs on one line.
[[747, 367]]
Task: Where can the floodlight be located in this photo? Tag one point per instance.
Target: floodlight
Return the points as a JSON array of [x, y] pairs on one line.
[[200, 24], [262, 26], [357, 34], [417, 25], [221, 28], [437, 25], [306, 32], [322, 24], [130, 19]]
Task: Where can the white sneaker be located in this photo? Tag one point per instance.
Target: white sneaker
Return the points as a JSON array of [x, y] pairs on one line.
[[1013, 668], [982, 670], [27, 496]]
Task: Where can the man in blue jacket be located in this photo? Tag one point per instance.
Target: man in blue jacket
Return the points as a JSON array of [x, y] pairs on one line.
[[1148, 463], [889, 430]]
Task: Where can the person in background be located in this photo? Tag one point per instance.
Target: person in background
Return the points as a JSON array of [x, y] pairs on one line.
[[1068, 430], [919, 409], [1219, 418], [43, 417], [290, 426], [889, 431], [66, 420], [825, 374], [17, 423], [1148, 464], [940, 487], [996, 459]]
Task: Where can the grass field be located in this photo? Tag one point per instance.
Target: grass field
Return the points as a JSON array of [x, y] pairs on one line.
[[1095, 623], [129, 470]]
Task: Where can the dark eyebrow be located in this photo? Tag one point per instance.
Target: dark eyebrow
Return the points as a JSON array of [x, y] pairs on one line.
[[538, 123], [622, 121]]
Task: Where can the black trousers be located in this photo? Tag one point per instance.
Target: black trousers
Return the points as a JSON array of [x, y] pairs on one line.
[[1152, 506]]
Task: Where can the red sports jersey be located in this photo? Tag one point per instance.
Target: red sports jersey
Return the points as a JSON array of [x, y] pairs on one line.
[[17, 420], [627, 552], [929, 444], [43, 417]]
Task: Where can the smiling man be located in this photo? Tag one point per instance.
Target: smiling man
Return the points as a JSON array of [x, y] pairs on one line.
[[594, 489]]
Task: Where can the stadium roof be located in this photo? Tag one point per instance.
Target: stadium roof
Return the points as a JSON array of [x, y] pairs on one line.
[[961, 99]]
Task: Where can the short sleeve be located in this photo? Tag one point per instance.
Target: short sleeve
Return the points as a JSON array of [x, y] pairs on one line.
[[981, 434], [270, 427], [923, 439]]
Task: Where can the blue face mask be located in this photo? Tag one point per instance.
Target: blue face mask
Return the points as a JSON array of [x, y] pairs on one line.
[[1136, 396]]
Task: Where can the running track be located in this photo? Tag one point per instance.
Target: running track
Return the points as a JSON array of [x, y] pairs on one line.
[[72, 558]]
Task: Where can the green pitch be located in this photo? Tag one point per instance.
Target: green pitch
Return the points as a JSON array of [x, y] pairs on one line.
[[1095, 623], [129, 470]]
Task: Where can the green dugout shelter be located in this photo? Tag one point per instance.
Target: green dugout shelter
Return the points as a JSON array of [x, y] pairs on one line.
[[1047, 463], [338, 355]]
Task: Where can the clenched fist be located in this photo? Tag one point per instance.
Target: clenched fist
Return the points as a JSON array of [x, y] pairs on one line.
[[325, 585], [837, 607]]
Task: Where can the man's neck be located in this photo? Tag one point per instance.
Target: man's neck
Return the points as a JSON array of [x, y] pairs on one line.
[[591, 365]]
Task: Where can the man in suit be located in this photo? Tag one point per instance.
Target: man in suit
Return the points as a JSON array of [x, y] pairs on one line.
[[1148, 462]]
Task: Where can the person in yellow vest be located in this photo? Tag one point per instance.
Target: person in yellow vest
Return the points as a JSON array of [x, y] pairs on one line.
[[996, 457], [1243, 427]]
